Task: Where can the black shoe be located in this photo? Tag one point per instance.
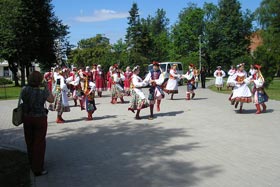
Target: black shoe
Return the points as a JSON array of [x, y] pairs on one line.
[[44, 172]]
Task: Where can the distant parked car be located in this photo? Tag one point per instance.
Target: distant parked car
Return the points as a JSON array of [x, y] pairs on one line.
[[166, 66]]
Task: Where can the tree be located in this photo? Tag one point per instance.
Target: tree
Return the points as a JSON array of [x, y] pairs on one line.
[[95, 50], [160, 37], [185, 34], [268, 55], [234, 29], [9, 13], [133, 37], [28, 32]]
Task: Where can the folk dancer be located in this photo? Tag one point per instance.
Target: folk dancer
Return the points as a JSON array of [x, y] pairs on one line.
[[230, 80], [93, 71], [117, 89], [89, 91], [138, 99], [127, 74], [156, 78], [99, 81], [172, 83], [48, 78], [190, 82], [90, 75], [241, 92], [219, 74], [196, 76], [61, 99], [74, 76], [109, 78], [259, 94]]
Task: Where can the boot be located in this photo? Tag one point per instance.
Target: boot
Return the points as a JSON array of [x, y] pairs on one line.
[[236, 104], [230, 97], [114, 101], [59, 119], [193, 94], [188, 95], [89, 116], [258, 108], [137, 117], [240, 109], [82, 105], [151, 112], [264, 107], [172, 96], [158, 105], [122, 101], [75, 102]]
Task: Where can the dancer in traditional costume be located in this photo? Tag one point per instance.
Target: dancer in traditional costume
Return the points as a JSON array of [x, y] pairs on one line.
[[155, 78], [75, 81], [117, 89], [100, 81], [61, 99], [190, 82], [230, 80], [90, 74], [138, 99], [196, 76], [259, 94], [172, 83], [127, 74], [109, 78], [49, 79], [241, 92], [89, 91], [219, 74]]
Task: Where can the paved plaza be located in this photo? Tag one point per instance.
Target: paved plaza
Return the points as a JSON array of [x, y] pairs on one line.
[[202, 142]]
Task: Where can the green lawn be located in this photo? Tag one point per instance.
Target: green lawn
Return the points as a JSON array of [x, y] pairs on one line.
[[10, 92], [273, 91]]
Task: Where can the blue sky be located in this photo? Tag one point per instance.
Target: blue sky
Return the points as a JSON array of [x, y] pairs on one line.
[[87, 18]]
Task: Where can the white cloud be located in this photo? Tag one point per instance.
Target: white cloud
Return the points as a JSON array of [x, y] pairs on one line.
[[102, 15]]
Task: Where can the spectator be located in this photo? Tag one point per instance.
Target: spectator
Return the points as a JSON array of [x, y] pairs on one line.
[[35, 121]]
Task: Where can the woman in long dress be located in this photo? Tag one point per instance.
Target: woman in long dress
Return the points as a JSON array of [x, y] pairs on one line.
[[61, 99], [259, 94], [241, 92], [172, 83], [138, 99], [219, 74]]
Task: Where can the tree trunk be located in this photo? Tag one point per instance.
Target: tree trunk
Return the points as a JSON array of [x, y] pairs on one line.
[[14, 70], [22, 70]]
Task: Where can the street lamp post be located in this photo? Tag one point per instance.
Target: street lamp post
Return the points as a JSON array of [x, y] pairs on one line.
[[199, 52]]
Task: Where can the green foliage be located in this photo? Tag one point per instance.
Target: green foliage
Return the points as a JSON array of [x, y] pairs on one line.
[[267, 59], [268, 15], [96, 50], [4, 81], [186, 31], [227, 33]]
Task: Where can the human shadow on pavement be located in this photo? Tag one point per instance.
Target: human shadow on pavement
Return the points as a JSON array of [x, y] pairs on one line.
[[123, 155], [252, 111], [164, 114]]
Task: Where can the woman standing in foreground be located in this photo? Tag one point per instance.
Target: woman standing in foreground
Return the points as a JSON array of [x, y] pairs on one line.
[[35, 121]]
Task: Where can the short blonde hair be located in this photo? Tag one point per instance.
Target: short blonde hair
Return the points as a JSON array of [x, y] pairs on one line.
[[35, 79]]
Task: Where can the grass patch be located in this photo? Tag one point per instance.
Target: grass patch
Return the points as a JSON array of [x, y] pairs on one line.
[[9, 92], [14, 169], [273, 91]]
